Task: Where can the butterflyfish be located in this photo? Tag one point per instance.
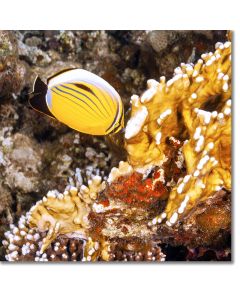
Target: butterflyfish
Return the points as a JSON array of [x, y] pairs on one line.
[[81, 100]]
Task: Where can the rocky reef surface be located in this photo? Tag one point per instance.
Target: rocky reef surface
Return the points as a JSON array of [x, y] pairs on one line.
[[118, 199]]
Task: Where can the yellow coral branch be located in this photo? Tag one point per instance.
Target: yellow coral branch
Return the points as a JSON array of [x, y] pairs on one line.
[[181, 107], [63, 214]]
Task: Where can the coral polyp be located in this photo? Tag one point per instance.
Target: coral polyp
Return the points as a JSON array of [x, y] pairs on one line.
[[173, 189]]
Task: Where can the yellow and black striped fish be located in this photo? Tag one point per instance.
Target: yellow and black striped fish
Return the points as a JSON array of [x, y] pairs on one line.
[[81, 100]]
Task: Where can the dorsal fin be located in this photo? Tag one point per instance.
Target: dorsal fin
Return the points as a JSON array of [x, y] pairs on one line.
[[37, 98], [60, 72]]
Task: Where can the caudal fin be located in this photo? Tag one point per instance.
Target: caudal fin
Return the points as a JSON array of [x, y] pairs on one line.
[[37, 98]]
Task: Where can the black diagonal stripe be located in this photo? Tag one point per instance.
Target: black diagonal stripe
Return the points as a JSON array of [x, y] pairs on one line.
[[120, 121], [120, 124], [115, 129], [66, 87], [70, 100], [100, 90], [86, 88], [106, 98], [115, 118], [78, 99], [112, 97]]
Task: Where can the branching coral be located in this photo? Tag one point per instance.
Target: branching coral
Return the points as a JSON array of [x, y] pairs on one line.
[[178, 142], [207, 157], [94, 217], [64, 213], [155, 115], [179, 108]]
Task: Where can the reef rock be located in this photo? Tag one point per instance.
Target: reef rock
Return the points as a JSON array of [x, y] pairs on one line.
[[12, 70]]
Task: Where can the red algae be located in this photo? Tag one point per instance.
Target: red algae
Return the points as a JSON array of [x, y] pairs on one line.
[[137, 189]]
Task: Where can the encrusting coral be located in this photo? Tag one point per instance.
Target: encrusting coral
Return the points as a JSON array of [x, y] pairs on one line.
[[175, 187]]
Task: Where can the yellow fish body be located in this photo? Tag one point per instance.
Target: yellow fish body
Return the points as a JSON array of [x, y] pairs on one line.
[[81, 100]]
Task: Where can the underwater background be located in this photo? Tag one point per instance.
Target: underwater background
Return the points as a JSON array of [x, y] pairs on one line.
[[38, 154]]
